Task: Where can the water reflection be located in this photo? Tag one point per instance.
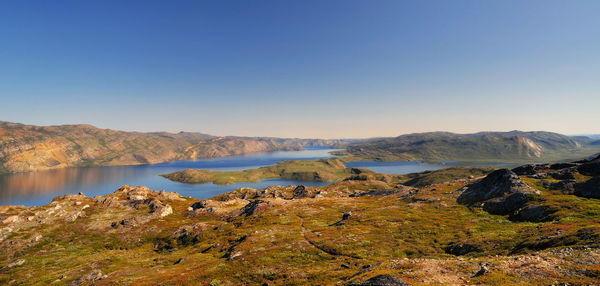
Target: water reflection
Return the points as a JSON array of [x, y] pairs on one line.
[[38, 188]]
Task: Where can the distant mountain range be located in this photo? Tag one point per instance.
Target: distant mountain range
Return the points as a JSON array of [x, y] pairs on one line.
[[30, 148], [513, 146]]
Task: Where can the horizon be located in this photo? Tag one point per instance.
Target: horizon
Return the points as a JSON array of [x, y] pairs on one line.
[[335, 69], [591, 135]]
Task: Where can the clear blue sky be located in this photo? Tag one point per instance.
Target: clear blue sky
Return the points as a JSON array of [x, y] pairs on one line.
[[302, 68]]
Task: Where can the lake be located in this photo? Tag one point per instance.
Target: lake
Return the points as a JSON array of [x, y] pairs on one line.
[[39, 188]]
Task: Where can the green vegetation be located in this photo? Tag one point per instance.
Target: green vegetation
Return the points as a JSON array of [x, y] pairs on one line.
[[298, 242], [324, 170]]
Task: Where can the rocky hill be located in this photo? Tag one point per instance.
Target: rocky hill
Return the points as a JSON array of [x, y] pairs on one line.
[[29, 148], [514, 146], [533, 225]]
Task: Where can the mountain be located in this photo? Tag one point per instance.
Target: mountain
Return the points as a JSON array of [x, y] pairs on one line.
[[513, 146], [30, 148]]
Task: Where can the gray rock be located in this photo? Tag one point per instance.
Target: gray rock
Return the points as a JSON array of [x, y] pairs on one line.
[[507, 204], [461, 248], [89, 278], [381, 280], [494, 185], [300, 192], [346, 216], [534, 213], [254, 207], [198, 205], [567, 186], [564, 174], [530, 169]]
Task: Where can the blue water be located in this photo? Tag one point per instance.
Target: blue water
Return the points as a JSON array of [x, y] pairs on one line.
[[406, 167], [396, 167], [38, 188]]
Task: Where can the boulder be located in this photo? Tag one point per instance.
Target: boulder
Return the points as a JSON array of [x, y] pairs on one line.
[[564, 174], [588, 189], [567, 186], [381, 280], [198, 205], [254, 207], [461, 248], [534, 213], [346, 216], [507, 204], [497, 184], [300, 192]]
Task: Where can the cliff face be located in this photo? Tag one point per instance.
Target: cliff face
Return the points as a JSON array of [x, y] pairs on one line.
[[29, 148]]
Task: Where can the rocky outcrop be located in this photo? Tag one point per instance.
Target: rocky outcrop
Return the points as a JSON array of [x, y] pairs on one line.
[[564, 174], [530, 169], [381, 280], [590, 167], [589, 188], [507, 204], [254, 207], [499, 184], [140, 198], [566, 186], [300, 192]]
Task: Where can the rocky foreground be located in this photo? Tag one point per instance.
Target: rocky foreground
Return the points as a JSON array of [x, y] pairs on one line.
[[536, 224]]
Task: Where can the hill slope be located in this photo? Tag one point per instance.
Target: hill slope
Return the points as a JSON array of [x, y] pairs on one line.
[[514, 146], [340, 234], [30, 148]]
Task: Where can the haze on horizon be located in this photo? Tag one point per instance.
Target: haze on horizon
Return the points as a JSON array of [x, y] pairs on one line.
[[312, 69]]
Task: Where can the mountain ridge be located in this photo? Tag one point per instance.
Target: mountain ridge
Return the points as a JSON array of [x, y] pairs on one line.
[[30, 148], [515, 146]]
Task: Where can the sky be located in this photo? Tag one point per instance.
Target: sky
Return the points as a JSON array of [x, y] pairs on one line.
[[311, 69]]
